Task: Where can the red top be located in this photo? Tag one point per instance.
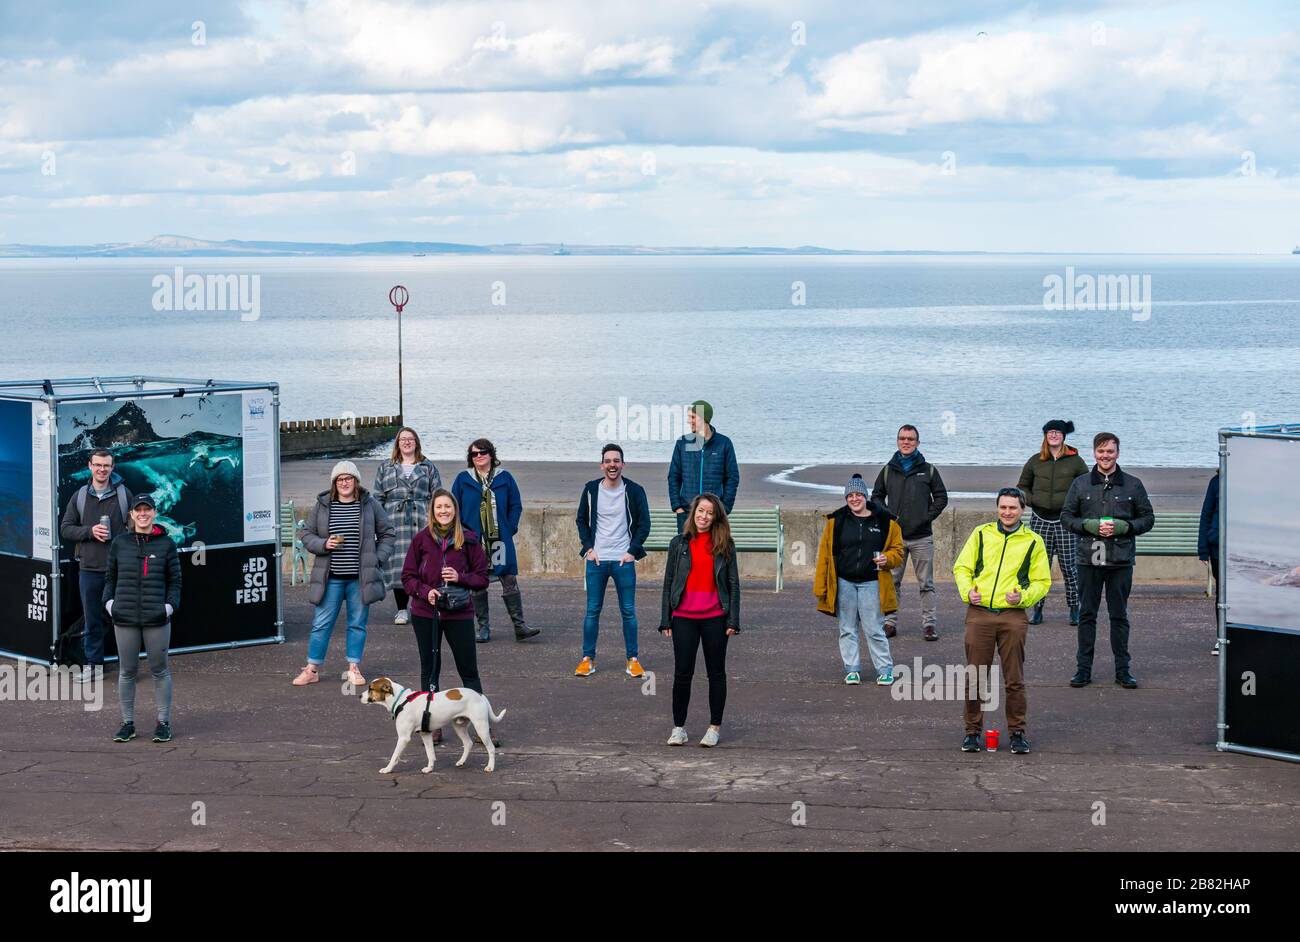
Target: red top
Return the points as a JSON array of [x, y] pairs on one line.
[[700, 597]]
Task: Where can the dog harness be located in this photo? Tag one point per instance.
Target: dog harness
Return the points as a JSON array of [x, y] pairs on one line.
[[400, 702]]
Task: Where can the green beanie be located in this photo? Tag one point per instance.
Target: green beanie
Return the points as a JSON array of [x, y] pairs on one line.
[[703, 410]]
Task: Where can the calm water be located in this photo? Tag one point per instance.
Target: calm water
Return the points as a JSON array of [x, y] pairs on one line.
[[961, 347]]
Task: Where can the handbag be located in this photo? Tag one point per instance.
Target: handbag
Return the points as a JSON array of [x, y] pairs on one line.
[[452, 598]]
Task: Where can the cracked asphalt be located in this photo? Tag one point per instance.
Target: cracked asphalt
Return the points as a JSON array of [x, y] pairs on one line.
[[805, 762]]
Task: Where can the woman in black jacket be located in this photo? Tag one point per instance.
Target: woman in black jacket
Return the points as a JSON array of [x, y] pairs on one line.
[[141, 593], [701, 606]]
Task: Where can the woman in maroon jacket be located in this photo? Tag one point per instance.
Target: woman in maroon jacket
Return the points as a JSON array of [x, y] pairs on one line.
[[444, 565]]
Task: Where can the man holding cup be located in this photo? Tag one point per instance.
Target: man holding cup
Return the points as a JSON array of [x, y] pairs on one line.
[[1002, 570], [860, 545], [1108, 509], [95, 514]]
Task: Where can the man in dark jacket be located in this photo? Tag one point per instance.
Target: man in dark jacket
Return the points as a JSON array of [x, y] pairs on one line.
[[613, 524], [911, 489], [704, 462], [1207, 542], [1108, 509], [82, 524]]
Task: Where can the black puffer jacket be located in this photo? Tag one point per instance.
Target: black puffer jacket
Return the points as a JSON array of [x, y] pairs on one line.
[[144, 576]]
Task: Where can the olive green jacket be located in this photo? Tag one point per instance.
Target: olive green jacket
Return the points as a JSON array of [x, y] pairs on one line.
[[1046, 483]]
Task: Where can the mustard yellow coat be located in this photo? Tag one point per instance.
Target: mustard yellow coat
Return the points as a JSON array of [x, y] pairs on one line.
[[825, 583]]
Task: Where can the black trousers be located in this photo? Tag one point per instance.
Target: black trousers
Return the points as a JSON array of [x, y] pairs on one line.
[[688, 635], [1117, 582], [429, 633], [400, 597]]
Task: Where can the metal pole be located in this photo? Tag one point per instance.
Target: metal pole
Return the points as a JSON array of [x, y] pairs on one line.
[[1220, 604], [401, 405], [279, 543], [56, 574]]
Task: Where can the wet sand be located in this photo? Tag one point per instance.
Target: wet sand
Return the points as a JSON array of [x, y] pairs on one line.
[[553, 482]]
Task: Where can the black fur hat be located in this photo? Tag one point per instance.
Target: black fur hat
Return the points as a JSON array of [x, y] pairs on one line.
[[1064, 426]]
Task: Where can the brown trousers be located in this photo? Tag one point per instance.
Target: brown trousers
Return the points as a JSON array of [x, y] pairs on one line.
[[1004, 632]]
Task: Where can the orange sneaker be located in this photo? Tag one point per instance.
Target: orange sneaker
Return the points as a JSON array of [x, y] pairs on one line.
[[586, 667], [634, 668]]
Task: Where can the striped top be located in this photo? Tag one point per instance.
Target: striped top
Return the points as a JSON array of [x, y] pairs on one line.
[[345, 520]]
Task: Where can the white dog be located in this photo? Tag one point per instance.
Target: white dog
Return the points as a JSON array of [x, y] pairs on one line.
[[459, 706]]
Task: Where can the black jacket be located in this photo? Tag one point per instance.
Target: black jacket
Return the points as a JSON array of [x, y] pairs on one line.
[[144, 575], [915, 498], [1207, 535], [75, 528], [726, 575], [1124, 498], [638, 517]]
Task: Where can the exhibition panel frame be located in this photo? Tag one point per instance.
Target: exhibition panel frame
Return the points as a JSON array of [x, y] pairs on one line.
[[1258, 601], [208, 451]]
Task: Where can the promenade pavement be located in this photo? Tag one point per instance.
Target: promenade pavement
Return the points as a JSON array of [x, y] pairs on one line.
[[805, 762]]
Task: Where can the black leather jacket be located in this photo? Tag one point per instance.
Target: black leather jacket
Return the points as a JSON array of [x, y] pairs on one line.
[[726, 574]]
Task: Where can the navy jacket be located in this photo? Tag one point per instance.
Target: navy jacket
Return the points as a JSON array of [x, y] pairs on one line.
[[1207, 538], [510, 507], [638, 517], [706, 469]]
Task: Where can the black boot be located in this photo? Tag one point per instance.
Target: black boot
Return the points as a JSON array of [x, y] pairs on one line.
[[482, 636], [1036, 616], [515, 606]]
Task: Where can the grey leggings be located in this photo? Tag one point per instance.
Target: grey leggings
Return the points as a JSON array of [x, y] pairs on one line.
[[156, 642]]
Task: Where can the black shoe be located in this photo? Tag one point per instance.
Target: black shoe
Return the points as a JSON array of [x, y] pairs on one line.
[[496, 739], [1126, 680], [971, 743], [482, 636], [890, 631], [1080, 679], [162, 732], [515, 606], [1036, 616], [1019, 743], [1074, 615], [126, 733], [930, 634]]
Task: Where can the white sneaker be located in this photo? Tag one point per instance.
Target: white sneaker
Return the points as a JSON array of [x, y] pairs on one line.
[[710, 737], [403, 617], [679, 737], [83, 676]]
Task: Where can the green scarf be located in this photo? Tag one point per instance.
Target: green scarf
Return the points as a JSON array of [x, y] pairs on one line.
[[487, 507]]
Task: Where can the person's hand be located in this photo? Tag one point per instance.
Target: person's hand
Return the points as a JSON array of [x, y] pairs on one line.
[[449, 574], [627, 558], [433, 597], [99, 532], [1013, 597], [332, 543], [168, 607], [108, 606], [974, 596], [666, 632], [881, 561], [1106, 528], [733, 631], [591, 555]]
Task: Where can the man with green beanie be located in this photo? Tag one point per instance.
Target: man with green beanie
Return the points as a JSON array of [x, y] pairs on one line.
[[704, 462]]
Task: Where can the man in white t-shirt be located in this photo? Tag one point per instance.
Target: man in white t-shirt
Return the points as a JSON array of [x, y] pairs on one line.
[[613, 524]]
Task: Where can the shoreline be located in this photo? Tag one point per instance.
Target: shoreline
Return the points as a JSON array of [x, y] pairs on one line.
[[762, 484]]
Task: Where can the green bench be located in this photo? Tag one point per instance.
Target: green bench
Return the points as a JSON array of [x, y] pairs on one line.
[[291, 540], [754, 530], [1174, 534]]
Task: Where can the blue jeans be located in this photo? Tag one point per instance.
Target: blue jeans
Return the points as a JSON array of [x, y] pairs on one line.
[[92, 605], [322, 623], [598, 575], [856, 603]]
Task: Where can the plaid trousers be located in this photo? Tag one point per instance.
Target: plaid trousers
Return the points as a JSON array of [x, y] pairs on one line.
[[1065, 545]]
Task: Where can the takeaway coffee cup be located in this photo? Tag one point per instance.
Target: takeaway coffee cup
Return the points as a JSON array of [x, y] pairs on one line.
[[991, 740]]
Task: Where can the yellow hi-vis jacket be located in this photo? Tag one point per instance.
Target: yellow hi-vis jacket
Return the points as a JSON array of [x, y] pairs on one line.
[[997, 563]]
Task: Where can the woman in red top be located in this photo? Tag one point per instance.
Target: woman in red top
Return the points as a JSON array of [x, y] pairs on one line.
[[701, 606]]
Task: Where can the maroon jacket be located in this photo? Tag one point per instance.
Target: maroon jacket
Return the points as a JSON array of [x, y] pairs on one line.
[[422, 571]]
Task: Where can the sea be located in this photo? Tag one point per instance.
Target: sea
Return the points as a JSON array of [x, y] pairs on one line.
[[805, 359]]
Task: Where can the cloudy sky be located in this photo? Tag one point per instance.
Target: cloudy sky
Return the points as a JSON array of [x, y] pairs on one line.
[[945, 124]]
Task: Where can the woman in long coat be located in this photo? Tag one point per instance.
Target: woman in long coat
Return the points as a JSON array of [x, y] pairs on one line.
[[404, 485]]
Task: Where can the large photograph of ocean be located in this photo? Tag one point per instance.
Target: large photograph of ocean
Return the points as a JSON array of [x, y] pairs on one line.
[[1262, 528]]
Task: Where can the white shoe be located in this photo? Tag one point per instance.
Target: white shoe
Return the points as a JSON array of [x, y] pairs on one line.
[[679, 737], [403, 617], [710, 737], [83, 676]]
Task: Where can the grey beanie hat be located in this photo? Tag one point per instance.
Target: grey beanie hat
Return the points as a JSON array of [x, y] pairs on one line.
[[344, 467], [856, 486]]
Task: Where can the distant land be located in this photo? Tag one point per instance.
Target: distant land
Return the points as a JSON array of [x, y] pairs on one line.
[[186, 247]]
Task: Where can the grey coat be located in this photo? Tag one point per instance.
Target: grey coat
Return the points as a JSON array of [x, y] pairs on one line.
[[406, 502], [377, 541]]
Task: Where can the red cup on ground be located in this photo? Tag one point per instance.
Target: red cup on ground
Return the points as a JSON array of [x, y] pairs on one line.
[[991, 740]]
